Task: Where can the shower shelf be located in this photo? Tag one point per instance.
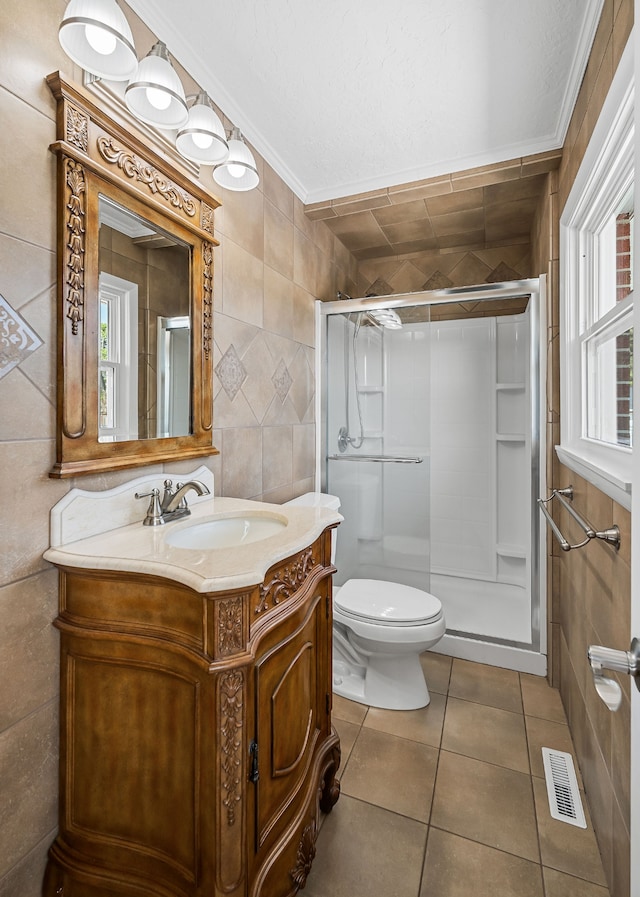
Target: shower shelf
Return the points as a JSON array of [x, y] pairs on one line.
[[364, 389], [511, 437], [511, 551], [514, 387]]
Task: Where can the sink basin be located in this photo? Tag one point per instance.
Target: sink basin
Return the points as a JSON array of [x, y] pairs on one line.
[[226, 532]]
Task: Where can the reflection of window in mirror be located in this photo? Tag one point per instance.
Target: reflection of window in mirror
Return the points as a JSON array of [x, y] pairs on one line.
[[118, 359], [151, 397]]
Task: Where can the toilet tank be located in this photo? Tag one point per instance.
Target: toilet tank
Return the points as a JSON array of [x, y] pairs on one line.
[[320, 500]]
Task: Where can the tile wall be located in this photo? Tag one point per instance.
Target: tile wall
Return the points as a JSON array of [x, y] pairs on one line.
[[589, 590], [270, 265]]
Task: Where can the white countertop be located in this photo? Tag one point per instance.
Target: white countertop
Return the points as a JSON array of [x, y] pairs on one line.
[[143, 549]]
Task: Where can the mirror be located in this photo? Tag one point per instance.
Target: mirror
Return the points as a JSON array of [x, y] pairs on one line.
[[144, 362], [135, 297]]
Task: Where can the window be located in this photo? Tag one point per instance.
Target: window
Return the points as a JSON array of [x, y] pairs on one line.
[[596, 256]]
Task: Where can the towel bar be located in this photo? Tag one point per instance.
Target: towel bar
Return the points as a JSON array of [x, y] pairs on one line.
[[610, 535]]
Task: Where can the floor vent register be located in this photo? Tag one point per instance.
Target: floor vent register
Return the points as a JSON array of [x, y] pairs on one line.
[[562, 787]]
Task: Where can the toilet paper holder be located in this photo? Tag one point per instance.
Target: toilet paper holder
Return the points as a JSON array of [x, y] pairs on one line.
[[601, 658]]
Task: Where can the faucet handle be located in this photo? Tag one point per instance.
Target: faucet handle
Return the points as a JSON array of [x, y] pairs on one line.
[[154, 511]]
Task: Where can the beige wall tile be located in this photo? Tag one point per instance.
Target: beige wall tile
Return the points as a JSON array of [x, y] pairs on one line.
[[27, 211], [25, 878], [244, 220], [242, 462], [277, 457], [278, 303], [24, 525], [243, 284], [28, 271], [304, 454], [25, 412], [276, 191], [305, 262], [29, 795], [278, 241], [29, 646]]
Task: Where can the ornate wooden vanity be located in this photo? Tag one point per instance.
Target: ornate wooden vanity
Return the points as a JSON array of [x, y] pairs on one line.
[[196, 742]]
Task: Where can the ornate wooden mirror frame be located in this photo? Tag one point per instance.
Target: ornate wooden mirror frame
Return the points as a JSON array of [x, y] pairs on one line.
[[98, 155]]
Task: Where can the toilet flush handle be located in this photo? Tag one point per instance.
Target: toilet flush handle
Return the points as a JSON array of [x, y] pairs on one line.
[[602, 658]]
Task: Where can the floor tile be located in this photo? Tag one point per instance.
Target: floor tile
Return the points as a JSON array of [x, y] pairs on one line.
[[365, 851], [565, 847], [347, 732], [424, 725], [456, 867], [545, 733], [437, 671], [540, 699], [350, 711], [483, 684], [486, 803], [391, 772], [486, 733], [558, 884]]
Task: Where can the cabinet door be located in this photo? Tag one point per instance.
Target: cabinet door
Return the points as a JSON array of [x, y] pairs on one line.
[[292, 711]]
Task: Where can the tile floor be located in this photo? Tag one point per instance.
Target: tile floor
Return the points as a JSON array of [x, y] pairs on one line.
[[450, 801]]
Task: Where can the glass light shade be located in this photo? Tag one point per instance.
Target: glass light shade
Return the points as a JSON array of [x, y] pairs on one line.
[[96, 35], [239, 171], [202, 139], [155, 95]]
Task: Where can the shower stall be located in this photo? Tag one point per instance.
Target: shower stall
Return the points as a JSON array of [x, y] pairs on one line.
[[430, 410]]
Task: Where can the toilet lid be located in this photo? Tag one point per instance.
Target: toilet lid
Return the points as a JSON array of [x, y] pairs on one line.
[[386, 602]]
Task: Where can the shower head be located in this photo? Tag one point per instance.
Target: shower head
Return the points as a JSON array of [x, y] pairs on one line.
[[385, 317]]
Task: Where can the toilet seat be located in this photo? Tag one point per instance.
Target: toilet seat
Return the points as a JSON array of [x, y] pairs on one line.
[[386, 603]]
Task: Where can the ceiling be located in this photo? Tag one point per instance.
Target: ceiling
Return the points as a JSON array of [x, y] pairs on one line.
[[352, 96]]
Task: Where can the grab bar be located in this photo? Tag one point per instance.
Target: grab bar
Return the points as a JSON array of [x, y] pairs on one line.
[[382, 459], [610, 535]]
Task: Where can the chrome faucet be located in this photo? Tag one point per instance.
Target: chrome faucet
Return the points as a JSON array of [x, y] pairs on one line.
[[173, 505]]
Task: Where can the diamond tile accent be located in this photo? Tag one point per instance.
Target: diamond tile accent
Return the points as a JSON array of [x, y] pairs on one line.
[[438, 281], [17, 339], [231, 372], [502, 273], [282, 380]]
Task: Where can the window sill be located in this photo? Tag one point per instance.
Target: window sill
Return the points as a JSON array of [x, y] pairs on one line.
[[612, 476]]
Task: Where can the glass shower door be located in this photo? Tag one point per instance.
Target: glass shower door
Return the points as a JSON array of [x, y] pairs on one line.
[[377, 447]]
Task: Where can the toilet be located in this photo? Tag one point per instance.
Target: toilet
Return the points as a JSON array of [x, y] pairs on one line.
[[379, 631]]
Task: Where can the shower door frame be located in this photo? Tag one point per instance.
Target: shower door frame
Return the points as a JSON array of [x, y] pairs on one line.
[[526, 658]]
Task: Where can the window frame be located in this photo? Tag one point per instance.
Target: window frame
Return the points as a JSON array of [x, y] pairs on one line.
[[603, 177]]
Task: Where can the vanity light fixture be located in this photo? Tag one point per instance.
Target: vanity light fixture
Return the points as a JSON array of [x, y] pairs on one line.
[[155, 95], [239, 170], [96, 35], [202, 139]]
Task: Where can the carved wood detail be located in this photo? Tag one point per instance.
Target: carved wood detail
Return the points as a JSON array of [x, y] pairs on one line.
[[74, 262], [230, 634], [207, 298], [231, 710], [207, 218], [77, 128], [137, 168], [286, 581], [305, 855]]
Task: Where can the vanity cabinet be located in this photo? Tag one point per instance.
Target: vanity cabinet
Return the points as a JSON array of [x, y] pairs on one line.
[[197, 750]]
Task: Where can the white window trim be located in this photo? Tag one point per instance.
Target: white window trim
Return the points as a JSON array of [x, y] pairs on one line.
[[600, 175]]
